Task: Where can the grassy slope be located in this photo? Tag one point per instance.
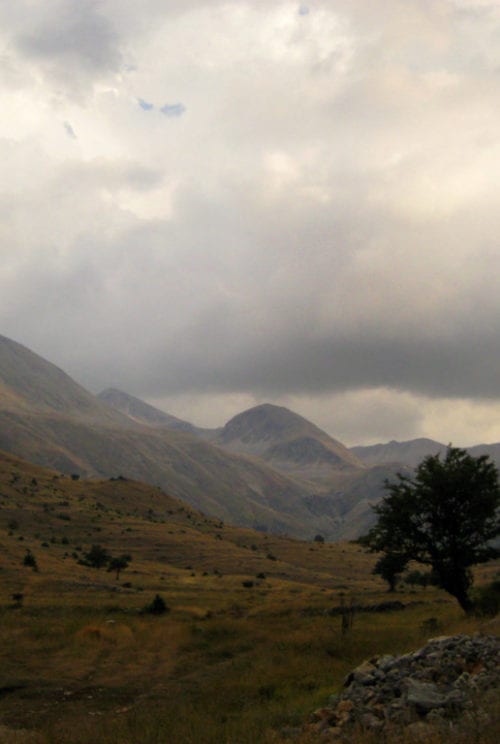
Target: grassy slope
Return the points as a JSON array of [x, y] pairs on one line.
[[228, 486], [229, 663]]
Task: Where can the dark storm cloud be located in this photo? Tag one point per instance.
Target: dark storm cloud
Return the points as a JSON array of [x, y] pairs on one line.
[[325, 365]]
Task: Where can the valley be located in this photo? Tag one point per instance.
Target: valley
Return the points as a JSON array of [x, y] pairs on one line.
[[251, 643], [225, 621]]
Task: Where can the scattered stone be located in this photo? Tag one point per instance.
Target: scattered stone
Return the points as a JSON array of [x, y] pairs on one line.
[[434, 685]]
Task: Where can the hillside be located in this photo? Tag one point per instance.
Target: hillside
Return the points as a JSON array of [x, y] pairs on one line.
[[251, 641], [130, 516], [338, 490], [268, 468], [30, 383], [141, 412], [49, 419]]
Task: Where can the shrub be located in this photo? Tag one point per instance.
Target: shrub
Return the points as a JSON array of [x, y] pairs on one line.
[[156, 607], [97, 556], [30, 560]]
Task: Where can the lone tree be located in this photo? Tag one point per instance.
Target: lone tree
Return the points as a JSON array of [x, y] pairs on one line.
[[119, 564], [390, 566], [97, 557], [445, 516]]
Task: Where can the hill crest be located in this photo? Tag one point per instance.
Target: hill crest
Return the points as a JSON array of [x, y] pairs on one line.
[[284, 438]]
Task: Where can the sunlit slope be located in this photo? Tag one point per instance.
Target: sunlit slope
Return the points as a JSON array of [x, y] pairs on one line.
[[39, 506]]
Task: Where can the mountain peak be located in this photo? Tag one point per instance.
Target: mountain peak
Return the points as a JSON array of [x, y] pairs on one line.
[[265, 421], [278, 434]]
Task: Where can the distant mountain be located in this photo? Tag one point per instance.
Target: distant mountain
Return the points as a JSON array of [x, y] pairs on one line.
[[492, 450], [412, 452], [339, 489], [267, 468], [409, 453], [142, 412], [286, 441], [48, 419]]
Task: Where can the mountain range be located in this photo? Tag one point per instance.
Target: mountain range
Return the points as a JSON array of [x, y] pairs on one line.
[[268, 468]]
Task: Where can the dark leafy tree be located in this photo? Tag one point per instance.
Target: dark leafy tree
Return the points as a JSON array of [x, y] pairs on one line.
[[97, 557], [390, 566], [119, 564], [445, 516]]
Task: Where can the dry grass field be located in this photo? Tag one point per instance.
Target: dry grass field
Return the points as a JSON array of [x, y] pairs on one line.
[[248, 648]]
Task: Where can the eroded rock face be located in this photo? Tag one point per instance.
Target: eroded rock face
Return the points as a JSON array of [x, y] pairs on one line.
[[435, 683]]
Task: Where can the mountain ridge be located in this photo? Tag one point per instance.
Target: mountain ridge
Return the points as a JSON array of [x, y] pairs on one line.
[[267, 468], [49, 419]]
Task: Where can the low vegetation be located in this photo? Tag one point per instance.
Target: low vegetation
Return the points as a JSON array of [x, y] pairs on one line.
[[204, 638]]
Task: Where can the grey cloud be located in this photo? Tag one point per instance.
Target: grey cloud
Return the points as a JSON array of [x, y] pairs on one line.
[[71, 42], [237, 293]]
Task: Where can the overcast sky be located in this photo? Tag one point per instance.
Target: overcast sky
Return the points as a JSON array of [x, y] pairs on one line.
[[215, 204]]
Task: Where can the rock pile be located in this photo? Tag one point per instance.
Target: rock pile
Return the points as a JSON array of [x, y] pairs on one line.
[[436, 683]]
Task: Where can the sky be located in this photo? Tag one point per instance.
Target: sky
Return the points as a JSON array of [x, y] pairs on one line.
[[212, 204]]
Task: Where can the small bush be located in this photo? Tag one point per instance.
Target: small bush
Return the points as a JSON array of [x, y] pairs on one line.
[[156, 607], [30, 560]]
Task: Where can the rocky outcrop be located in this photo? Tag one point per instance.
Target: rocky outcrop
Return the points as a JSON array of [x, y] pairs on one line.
[[438, 683]]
